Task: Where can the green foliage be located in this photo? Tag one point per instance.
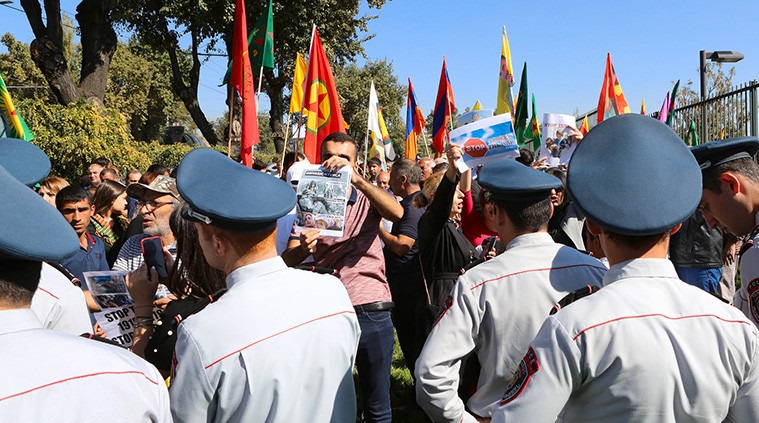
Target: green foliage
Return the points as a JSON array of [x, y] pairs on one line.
[[18, 69], [140, 88], [169, 155], [353, 85]]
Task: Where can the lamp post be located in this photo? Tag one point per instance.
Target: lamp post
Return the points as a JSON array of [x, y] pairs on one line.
[[714, 56]]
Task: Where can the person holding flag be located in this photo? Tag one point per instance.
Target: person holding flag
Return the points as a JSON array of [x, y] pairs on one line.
[[444, 107]]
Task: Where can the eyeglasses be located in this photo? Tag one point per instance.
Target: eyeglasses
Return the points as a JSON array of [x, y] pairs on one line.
[[151, 205]]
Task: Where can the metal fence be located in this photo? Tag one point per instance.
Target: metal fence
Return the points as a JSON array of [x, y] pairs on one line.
[[736, 113]]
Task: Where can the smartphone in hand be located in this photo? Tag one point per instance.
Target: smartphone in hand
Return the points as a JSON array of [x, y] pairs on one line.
[[152, 252]]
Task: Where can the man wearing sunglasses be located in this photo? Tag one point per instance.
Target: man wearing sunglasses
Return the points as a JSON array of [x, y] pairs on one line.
[[155, 202]]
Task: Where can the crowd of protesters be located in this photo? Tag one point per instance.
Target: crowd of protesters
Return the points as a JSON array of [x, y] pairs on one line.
[[464, 267]]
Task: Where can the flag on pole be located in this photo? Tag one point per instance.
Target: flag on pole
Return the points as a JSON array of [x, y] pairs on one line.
[[521, 113], [692, 138], [444, 106], [643, 107], [415, 122], [241, 80], [612, 101], [672, 100], [299, 78], [533, 133], [321, 101], [477, 106], [382, 148], [261, 42], [584, 128], [664, 111], [15, 127], [505, 103]]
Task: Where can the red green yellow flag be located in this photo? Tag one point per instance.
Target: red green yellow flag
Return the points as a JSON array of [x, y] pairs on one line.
[[299, 78], [15, 127], [612, 100], [241, 80]]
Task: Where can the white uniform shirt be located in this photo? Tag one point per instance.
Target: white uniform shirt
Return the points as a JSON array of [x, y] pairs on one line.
[[747, 297], [496, 309], [49, 376], [278, 346], [59, 304], [645, 348]]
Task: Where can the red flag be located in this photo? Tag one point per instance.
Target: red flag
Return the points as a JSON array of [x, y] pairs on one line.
[[584, 128], [242, 81], [321, 101], [444, 106], [612, 101]]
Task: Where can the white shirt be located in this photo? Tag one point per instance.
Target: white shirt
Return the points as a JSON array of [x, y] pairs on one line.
[[130, 256], [645, 348], [49, 376], [59, 304], [496, 309], [278, 346], [747, 297]]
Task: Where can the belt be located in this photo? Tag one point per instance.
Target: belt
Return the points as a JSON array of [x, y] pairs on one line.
[[375, 306]]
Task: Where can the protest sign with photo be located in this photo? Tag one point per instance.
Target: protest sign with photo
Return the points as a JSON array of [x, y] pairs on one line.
[[485, 140], [558, 142], [323, 200]]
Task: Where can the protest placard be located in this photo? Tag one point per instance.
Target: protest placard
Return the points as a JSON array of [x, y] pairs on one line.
[[484, 140], [323, 200], [558, 142]]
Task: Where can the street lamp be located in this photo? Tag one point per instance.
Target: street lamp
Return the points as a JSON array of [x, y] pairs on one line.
[[714, 56]]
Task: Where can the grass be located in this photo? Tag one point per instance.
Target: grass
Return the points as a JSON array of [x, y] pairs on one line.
[[402, 395]]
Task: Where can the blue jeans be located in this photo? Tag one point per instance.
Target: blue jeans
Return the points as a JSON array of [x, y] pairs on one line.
[[706, 278], [375, 354]]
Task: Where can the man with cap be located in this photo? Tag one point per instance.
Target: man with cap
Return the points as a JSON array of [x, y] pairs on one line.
[[156, 202], [647, 347], [358, 258], [289, 357], [496, 308], [57, 302], [730, 202], [49, 375]]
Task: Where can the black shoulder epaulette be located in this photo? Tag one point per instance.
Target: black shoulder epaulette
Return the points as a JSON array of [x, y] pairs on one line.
[[101, 339], [748, 242], [475, 263], [319, 270], [572, 297], [70, 276]]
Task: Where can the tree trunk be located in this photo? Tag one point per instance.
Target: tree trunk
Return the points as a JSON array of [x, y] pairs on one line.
[[274, 88], [98, 45]]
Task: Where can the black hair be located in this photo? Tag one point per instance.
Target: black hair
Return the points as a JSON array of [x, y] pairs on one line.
[[18, 280], [440, 167], [745, 166], [526, 156], [259, 164], [637, 242], [102, 161], [341, 137], [373, 161], [159, 169], [71, 194], [532, 215]]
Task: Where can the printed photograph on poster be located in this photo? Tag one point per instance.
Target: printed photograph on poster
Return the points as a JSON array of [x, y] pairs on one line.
[[485, 140], [558, 140], [473, 116], [323, 200]]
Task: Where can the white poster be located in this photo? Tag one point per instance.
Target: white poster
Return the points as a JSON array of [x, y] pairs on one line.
[[323, 200], [485, 140], [558, 142]]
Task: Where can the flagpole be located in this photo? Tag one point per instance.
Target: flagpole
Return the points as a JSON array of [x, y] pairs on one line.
[[231, 96], [424, 139], [260, 80], [450, 119], [284, 149]]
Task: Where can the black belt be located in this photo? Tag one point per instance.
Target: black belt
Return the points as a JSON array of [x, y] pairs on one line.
[[375, 306]]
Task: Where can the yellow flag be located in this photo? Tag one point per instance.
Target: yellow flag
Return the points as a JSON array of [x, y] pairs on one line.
[[477, 106], [505, 103], [643, 107], [296, 99]]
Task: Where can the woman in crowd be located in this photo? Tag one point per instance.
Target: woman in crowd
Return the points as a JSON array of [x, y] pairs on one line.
[[443, 249], [110, 218], [565, 226], [49, 188]]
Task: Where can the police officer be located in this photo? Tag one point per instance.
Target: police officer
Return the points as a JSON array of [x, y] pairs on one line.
[[57, 302], [497, 307], [280, 343], [48, 375], [730, 201], [647, 347]]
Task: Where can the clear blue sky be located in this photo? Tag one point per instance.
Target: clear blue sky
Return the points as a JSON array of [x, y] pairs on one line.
[[652, 44]]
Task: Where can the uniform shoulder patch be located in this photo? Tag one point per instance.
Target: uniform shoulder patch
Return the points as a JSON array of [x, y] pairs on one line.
[[753, 298], [527, 367], [572, 297]]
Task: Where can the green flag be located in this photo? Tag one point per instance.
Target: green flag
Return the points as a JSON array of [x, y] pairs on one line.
[[672, 99], [522, 109], [533, 131], [13, 124], [692, 138], [260, 44]]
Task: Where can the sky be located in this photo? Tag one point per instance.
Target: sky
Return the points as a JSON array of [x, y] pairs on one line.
[[652, 44]]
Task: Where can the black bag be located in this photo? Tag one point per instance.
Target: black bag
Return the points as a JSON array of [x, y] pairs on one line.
[[160, 348]]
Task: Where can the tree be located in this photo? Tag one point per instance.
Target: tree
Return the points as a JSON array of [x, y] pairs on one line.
[[353, 86], [48, 48]]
